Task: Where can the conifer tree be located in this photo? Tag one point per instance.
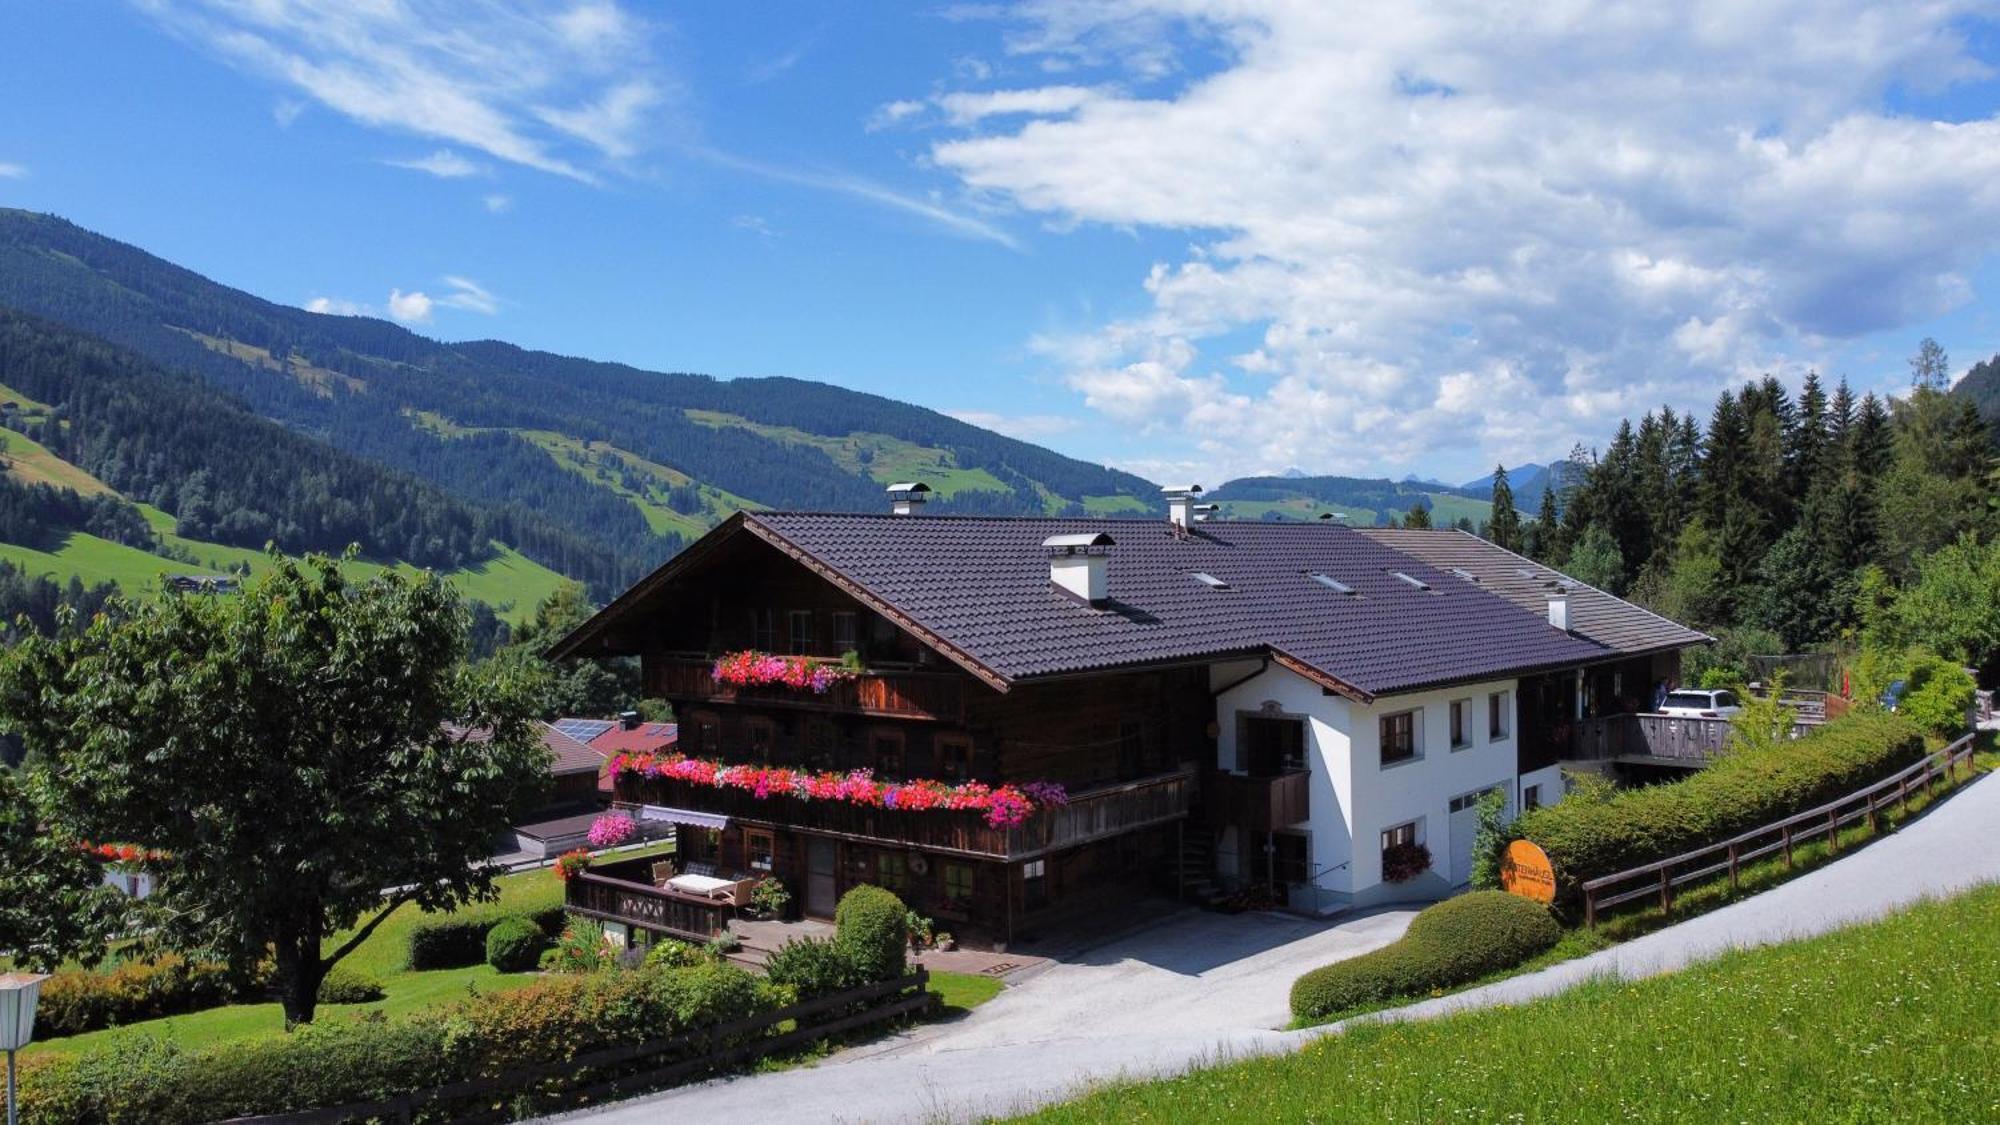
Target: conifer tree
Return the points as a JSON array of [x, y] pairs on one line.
[[1419, 516], [1504, 529]]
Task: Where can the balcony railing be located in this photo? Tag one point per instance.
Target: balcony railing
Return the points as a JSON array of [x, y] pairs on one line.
[[1661, 738], [619, 894], [1259, 804], [1091, 814], [901, 695]]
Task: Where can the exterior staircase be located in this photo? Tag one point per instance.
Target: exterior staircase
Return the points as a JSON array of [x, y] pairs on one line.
[[1193, 869]]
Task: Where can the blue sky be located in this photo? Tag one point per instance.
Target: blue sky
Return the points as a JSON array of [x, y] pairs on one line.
[[1273, 235]]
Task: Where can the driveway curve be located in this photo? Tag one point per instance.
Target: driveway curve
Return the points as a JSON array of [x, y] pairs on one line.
[[1201, 989]]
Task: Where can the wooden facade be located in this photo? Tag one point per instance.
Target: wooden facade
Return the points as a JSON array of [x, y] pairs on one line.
[[1125, 747]]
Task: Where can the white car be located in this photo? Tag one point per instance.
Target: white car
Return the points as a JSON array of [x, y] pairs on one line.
[[1693, 704]]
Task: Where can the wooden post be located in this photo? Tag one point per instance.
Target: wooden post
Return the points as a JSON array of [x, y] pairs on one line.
[[1873, 825], [1666, 890], [1833, 830], [1589, 909], [1903, 796], [1788, 847], [1733, 885]]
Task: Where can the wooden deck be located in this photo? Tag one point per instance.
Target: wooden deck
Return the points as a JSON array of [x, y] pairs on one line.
[[624, 892]]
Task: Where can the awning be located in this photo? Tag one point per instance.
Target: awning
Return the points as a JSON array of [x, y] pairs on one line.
[[689, 817]]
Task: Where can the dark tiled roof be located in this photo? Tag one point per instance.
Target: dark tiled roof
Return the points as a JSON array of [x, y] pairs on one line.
[[571, 756], [1604, 618], [980, 588]]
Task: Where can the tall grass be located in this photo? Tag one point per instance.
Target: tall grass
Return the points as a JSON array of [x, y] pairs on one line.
[[1892, 1021]]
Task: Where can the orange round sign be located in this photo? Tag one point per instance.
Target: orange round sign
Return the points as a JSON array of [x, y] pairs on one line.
[[1525, 870]]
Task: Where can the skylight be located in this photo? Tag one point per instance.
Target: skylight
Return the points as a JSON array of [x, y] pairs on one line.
[[1334, 584], [1416, 582], [1210, 581], [1465, 574]]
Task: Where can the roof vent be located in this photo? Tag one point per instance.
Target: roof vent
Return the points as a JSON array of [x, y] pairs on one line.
[[1180, 503], [1559, 609], [1210, 580], [905, 498], [1465, 574], [1205, 512], [628, 720], [1079, 565], [1415, 582], [1334, 584]]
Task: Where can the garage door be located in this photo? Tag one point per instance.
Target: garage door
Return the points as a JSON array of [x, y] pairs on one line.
[[1462, 827]]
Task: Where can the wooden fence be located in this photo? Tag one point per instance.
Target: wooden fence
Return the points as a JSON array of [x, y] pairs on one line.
[[1664, 878], [701, 1051]]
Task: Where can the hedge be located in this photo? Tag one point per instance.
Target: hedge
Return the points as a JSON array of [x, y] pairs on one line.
[[339, 1061], [514, 945], [75, 1002], [1586, 838], [1458, 940], [453, 941], [343, 985], [871, 925]]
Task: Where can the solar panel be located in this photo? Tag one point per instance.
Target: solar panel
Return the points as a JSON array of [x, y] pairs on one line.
[[583, 730]]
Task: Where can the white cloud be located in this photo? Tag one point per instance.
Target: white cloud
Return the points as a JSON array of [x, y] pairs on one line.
[[444, 164], [1453, 234], [13, 171], [892, 114], [1027, 427], [286, 111], [497, 203], [755, 224], [933, 209], [338, 306], [410, 308], [547, 84], [468, 295]]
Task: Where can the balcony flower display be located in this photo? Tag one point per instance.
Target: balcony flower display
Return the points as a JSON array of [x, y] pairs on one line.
[[572, 863], [612, 829], [1005, 806], [124, 854], [751, 668]]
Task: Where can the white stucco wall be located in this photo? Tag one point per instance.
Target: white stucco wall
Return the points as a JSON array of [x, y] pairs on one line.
[[1550, 778], [1353, 797]]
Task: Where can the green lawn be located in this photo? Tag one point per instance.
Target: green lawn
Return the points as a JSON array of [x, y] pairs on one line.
[[961, 992], [1887, 1022], [381, 956]]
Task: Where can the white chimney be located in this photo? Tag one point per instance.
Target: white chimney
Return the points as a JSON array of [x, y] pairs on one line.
[[1559, 608], [907, 497], [1079, 565], [1180, 503]]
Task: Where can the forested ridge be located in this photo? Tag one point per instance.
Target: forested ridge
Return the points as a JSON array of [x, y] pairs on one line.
[[371, 377]]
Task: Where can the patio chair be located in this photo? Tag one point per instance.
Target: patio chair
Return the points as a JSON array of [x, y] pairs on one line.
[[663, 871]]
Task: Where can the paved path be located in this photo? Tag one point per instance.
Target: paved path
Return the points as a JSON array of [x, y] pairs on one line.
[[1081, 1022]]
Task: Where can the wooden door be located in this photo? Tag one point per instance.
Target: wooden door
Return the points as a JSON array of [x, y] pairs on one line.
[[822, 862]]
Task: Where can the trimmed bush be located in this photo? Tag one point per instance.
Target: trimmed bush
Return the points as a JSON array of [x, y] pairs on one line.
[[368, 1057], [1458, 940], [343, 985], [1586, 838], [514, 945], [75, 1002], [872, 926], [456, 940], [813, 967], [672, 953]]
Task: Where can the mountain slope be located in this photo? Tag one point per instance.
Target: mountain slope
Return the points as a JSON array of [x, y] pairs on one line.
[[1360, 501], [599, 470], [1981, 386]]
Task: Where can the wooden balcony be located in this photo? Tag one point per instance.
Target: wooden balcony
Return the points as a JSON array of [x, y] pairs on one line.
[[1654, 739], [898, 694], [1091, 814], [1259, 804], [625, 893]]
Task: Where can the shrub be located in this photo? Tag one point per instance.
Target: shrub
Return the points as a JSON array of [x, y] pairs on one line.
[[1489, 838], [814, 967], [871, 924], [580, 949], [1588, 838], [1458, 940], [371, 1057], [769, 897], [1938, 695], [514, 945], [672, 953], [75, 1002], [344, 985], [458, 939]]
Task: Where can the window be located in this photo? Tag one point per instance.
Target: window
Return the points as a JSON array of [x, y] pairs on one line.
[[1499, 714], [1034, 887], [707, 733], [844, 633], [764, 630], [1210, 581], [1414, 583], [821, 739], [1461, 723], [1725, 699], [1268, 746], [954, 757], [759, 848], [799, 629], [958, 886], [886, 746], [892, 871], [1291, 857], [1531, 797], [763, 735], [1469, 800], [1402, 835], [1399, 737], [1334, 584]]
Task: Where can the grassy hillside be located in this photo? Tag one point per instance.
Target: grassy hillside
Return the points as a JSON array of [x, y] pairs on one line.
[[1886, 1022], [1363, 501]]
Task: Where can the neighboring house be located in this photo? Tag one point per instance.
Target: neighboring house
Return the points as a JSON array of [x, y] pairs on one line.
[[572, 800], [626, 734], [1278, 703]]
